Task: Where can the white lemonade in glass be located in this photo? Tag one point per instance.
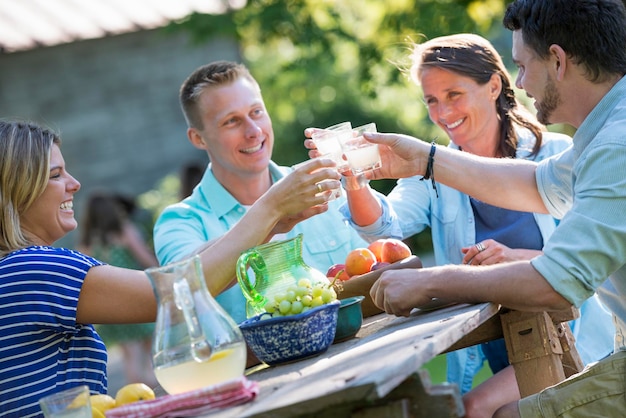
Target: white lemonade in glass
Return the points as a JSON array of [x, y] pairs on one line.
[[83, 412], [223, 365], [364, 158]]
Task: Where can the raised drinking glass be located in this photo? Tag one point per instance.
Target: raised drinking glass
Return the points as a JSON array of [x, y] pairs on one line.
[[362, 155]]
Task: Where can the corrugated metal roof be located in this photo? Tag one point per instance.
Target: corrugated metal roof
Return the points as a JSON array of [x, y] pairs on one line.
[[28, 24]]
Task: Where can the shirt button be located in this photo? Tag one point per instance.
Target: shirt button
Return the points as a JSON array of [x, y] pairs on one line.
[[240, 210], [332, 242]]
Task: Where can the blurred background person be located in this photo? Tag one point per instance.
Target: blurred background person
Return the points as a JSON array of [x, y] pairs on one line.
[[109, 233], [190, 175]]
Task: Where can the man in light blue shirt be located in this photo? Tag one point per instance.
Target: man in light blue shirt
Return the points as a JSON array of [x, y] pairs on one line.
[[413, 205], [244, 199], [579, 80]]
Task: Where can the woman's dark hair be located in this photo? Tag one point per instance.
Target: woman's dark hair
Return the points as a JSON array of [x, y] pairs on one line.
[[104, 216], [473, 56]]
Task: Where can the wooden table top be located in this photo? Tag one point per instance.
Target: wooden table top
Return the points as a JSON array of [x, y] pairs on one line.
[[386, 351]]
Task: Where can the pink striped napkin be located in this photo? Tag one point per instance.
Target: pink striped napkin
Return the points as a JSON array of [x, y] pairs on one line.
[[192, 403]]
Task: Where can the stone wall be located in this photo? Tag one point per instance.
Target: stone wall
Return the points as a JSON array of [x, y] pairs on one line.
[[114, 101]]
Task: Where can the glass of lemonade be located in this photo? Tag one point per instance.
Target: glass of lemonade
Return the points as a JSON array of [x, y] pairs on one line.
[[328, 143], [69, 403], [362, 155]]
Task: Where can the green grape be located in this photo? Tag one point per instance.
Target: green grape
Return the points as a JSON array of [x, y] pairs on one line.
[[302, 291], [284, 307], [317, 291], [300, 298], [317, 301], [296, 307], [290, 296], [270, 307], [264, 317], [304, 282], [328, 295]]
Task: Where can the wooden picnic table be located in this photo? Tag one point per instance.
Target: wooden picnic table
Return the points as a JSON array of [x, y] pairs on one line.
[[380, 371]]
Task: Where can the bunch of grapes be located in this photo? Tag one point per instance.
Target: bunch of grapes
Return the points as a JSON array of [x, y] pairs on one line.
[[300, 298]]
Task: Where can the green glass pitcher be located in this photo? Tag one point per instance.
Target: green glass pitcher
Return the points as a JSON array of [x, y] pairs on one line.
[[276, 266]]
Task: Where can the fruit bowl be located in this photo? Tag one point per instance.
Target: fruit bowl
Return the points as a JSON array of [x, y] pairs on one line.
[[276, 340], [350, 318]]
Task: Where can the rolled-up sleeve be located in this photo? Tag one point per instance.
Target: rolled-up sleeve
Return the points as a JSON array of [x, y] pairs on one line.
[[590, 242], [384, 227]]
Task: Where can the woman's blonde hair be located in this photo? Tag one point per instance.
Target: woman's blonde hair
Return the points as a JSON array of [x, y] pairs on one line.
[[24, 174]]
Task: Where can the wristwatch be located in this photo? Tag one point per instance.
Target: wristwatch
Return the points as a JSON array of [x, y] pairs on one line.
[[356, 182]]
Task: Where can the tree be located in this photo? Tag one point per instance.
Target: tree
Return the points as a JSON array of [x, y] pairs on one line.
[[322, 62]]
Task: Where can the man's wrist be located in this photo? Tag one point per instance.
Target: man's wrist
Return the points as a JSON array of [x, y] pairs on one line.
[[356, 182]]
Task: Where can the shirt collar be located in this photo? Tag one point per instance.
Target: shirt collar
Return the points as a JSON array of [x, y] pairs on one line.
[[596, 120], [220, 200]]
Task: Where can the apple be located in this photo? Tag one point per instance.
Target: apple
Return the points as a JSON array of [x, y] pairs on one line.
[[337, 271], [394, 250], [359, 261], [376, 247]]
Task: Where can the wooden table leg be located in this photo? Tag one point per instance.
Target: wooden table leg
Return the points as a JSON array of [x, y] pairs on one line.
[[534, 349], [572, 362]]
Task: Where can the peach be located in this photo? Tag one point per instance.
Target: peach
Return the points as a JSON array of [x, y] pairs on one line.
[[394, 250], [376, 247], [359, 261]]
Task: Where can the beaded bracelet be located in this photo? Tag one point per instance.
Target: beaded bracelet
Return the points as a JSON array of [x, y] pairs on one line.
[[430, 171]]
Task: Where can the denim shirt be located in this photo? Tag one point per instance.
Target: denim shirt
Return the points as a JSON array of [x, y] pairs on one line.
[[413, 205], [586, 186], [211, 211]]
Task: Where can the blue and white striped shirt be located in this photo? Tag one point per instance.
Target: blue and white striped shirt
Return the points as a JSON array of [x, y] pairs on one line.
[[42, 348]]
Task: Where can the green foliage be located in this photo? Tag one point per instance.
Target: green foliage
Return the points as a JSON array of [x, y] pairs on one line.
[[320, 62]]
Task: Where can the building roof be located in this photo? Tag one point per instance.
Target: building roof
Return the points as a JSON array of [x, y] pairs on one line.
[[29, 24]]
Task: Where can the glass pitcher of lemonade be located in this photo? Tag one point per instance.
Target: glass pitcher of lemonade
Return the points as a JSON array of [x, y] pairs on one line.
[[272, 268], [196, 343]]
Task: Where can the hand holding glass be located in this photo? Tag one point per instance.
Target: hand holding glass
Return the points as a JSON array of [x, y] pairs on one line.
[[70, 403], [362, 155], [328, 143]]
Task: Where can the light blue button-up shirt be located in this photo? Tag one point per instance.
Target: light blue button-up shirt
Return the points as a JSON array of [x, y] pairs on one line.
[[586, 186], [211, 211], [413, 206]]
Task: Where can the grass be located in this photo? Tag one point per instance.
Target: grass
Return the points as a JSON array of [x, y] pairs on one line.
[[437, 371]]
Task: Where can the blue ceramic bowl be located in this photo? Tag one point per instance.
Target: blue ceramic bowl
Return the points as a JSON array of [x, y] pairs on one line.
[[350, 318], [289, 338]]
